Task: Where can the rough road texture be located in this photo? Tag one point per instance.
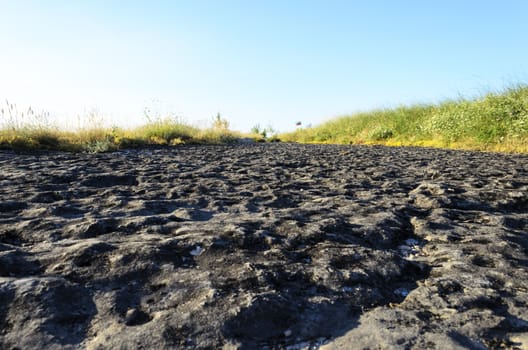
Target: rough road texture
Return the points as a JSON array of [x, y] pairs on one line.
[[264, 246]]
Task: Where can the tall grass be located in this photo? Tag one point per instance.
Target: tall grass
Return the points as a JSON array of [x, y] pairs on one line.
[[31, 130], [492, 122]]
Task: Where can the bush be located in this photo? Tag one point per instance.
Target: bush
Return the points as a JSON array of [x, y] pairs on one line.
[[380, 134]]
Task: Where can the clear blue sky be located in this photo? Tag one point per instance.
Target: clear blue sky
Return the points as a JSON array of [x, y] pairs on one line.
[[269, 62]]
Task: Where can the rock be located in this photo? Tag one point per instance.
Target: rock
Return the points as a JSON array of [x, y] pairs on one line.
[[10, 206], [263, 246], [17, 263], [245, 141], [109, 180], [196, 251], [135, 317]]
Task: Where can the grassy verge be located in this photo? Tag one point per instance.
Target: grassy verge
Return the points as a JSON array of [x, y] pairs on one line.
[[493, 122], [28, 130]]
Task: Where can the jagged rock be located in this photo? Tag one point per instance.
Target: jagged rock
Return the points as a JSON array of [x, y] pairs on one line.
[[272, 246]]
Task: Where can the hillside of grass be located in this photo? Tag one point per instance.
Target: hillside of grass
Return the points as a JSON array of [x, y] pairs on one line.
[[493, 122], [29, 130]]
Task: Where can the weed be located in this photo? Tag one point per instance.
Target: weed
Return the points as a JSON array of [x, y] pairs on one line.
[[380, 134], [30, 130], [495, 122]]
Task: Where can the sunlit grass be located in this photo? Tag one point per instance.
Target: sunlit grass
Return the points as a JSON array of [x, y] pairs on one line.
[[493, 122], [30, 130]]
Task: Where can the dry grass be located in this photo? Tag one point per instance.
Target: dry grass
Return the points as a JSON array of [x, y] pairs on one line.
[[30, 130]]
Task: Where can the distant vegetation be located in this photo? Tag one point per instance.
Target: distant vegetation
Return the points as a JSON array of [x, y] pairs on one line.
[[31, 130], [493, 122], [267, 133]]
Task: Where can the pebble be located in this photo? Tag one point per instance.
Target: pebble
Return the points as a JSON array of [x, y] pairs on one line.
[[197, 251]]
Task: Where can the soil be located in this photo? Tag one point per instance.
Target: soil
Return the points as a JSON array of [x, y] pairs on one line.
[[264, 246]]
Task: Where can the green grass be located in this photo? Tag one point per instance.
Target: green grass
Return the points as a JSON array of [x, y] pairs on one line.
[[493, 122], [30, 130]]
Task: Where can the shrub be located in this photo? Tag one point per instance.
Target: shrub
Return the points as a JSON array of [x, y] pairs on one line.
[[380, 133]]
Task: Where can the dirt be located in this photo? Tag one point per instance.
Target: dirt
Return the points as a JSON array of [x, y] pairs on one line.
[[273, 246]]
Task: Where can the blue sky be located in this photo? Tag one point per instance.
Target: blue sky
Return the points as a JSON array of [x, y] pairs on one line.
[[256, 62]]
